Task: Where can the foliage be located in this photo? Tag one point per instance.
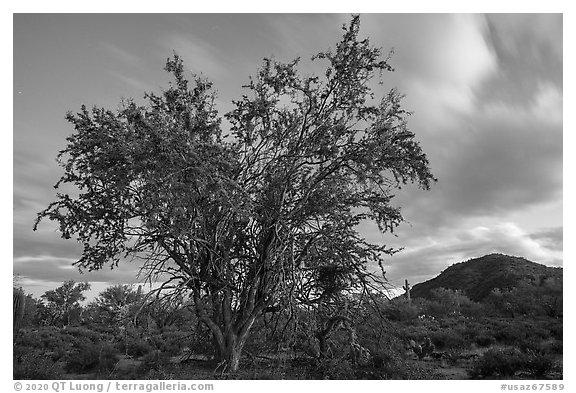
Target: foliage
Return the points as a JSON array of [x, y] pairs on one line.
[[540, 364], [285, 347], [170, 341], [485, 340], [117, 304], [63, 303], [400, 309], [91, 356], [499, 362], [265, 215], [34, 364], [508, 361], [444, 302], [540, 296]]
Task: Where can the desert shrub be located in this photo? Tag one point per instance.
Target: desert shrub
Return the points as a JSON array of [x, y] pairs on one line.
[[153, 360], [499, 362], [90, 356], [399, 309], [539, 363], [335, 369], [472, 309], [170, 342], [35, 365], [510, 333], [417, 332], [49, 338], [557, 330], [447, 302], [552, 346], [137, 347], [470, 329], [133, 345], [82, 333], [447, 338], [393, 365], [484, 340], [524, 334], [29, 338]]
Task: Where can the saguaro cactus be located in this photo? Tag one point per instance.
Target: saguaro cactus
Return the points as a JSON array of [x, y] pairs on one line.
[[19, 303], [407, 288]]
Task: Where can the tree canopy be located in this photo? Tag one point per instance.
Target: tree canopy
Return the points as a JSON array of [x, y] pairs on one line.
[[265, 214]]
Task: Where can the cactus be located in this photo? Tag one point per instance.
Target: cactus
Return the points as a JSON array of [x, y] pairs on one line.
[[19, 303], [407, 288], [426, 349]]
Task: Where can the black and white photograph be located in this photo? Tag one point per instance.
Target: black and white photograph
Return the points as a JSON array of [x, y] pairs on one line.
[[287, 196]]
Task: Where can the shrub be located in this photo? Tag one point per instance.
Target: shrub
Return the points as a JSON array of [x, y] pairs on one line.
[[82, 333], [99, 357], [171, 342], [153, 361], [557, 331], [540, 364], [484, 340], [35, 365], [138, 347], [499, 362], [400, 310], [134, 346], [336, 369], [552, 347], [447, 338]]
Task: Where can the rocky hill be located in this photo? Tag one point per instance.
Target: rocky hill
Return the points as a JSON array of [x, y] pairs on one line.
[[478, 277]]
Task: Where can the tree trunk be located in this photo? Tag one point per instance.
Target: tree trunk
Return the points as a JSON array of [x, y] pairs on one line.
[[323, 346], [231, 355], [230, 351]]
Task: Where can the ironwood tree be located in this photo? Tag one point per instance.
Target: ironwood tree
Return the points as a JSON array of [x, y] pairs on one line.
[[248, 219]]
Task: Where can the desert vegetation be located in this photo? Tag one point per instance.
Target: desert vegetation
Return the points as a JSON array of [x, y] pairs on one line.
[[124, 333]]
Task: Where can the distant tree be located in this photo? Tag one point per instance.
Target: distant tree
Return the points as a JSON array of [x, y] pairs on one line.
[[113, 301], [240, 221], [63, 303]]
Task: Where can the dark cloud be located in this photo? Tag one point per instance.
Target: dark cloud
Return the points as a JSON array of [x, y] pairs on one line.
[[552, 238]]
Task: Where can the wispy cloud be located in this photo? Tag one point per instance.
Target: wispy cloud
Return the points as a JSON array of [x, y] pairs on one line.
[[43, 258], [134, 83], [121, 54]]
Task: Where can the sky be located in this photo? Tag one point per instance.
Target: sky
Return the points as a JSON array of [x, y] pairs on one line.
[[486, 92]]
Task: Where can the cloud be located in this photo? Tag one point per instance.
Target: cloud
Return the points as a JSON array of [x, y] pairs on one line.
[[423, 260], [545, 106], [121, 54], [58, 269], [134, 83], [551, 238], [499, 159], [440, 60]]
